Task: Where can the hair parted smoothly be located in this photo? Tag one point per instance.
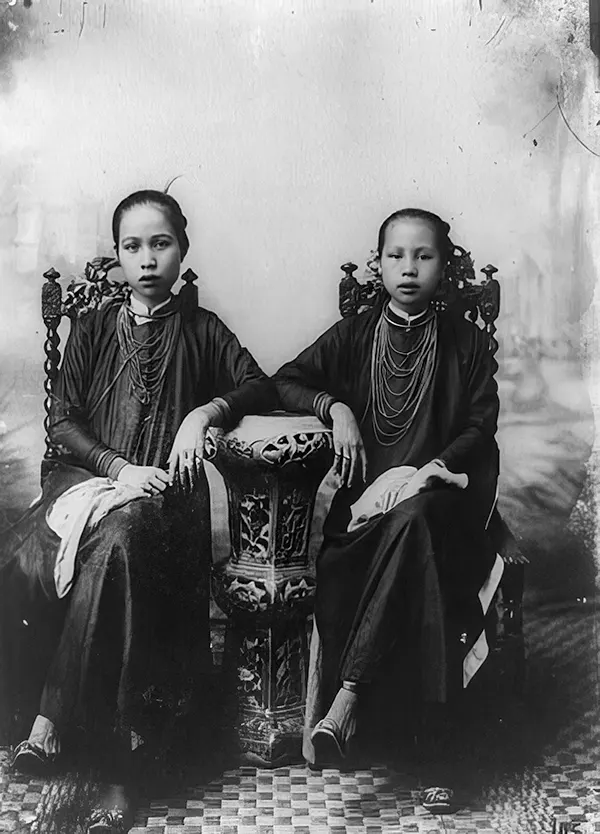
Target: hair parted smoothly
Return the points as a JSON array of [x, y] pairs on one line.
[[161, 200], [440, 227]]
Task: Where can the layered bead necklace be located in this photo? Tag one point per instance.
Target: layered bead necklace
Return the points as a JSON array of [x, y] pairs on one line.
[[147, 360], [412, 370]]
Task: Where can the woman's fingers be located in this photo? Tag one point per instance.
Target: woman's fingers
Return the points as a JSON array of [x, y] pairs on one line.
[[337, 460], [200, 440], [157, 484], [182, 470], [363, 462], [173, 467], [353, 468], [390, 500], [199, 454], [198, 465], [190, 469], [358, 463], [162, 476], [346, 461], [350, 461]]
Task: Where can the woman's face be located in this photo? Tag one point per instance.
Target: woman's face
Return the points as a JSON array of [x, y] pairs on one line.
[[411, 264], [149, 253]]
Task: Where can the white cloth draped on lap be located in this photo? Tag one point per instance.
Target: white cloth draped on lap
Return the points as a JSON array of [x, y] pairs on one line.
[[80, 509], [404, 481]]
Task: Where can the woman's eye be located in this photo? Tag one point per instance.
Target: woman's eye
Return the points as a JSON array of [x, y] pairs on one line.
[[425, 257], [161, 244], [131, 247]]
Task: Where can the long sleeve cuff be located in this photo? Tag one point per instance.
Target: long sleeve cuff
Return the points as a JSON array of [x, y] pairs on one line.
[[115, 468], [322, 406], [109, 464], [225, 416]]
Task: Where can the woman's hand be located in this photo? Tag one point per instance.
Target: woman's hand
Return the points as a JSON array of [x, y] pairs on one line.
[[350, 460], [391, 497], [150, 478], [187, 454]]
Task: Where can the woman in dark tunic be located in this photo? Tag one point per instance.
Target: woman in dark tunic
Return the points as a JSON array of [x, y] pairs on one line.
[[403, 386], [140, 384]]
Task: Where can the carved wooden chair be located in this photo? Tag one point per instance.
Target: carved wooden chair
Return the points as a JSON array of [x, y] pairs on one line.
[[479, 300]]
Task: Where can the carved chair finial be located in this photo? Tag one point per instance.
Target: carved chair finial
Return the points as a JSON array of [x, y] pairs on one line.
[[189, 276], [189, 292], [51, 297], [489, 271]]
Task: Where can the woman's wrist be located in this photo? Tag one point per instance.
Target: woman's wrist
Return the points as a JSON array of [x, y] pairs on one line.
[[224, 416], [322, 407], [123, 466], [216, 411], [115, 466], [339, 409]]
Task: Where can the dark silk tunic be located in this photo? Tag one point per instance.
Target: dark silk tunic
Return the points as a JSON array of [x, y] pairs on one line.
[[133, 630], [406, 584]]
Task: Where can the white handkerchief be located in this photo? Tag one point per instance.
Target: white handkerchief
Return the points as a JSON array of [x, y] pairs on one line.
[[80, 509], [405, 481]]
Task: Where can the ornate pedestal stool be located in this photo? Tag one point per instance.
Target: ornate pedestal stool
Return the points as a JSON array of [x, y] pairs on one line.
[[272, 467]]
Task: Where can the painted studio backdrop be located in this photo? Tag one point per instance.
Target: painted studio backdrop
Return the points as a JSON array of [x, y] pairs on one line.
[[295, 128]]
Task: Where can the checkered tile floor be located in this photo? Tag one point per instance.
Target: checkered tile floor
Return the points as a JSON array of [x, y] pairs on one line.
[[550, 784], [560, 786], [293, 801]]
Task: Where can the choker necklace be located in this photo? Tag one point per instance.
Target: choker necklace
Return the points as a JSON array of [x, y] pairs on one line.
[[396, 320], [411, 370]]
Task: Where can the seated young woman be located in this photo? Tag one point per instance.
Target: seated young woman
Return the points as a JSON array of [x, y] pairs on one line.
[[109, 571], [411, 396]]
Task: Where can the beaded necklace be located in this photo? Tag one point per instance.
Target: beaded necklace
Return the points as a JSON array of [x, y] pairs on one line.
[[413, 368], [149, 359]]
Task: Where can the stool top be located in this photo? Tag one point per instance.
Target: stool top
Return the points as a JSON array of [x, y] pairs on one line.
[[277, 438]]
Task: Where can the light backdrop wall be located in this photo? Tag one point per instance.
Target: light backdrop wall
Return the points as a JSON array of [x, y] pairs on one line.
[[295, 128]]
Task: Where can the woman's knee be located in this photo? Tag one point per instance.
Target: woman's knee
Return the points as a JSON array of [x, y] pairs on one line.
[[123, 531], [142, 516]]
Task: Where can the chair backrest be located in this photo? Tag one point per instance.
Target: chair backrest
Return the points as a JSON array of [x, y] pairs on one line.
[[89, 292], [479, 300]]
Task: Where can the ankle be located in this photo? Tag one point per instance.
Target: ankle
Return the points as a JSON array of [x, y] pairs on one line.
[[45, 735], [41, 726]]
